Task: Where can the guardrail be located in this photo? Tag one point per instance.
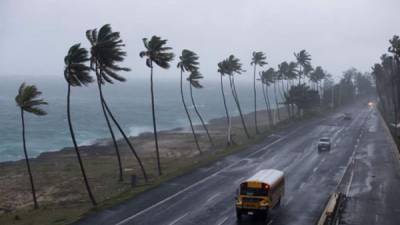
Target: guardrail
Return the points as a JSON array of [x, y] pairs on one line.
[[329, 215]]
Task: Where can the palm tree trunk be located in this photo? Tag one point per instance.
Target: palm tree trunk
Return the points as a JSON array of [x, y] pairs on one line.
[[276, 101], [228, 118], [78, 155], [121, 178], [235, 97], [188, 115], [127, 140], [287, 105], [267, 105], [255, 100], [154, 120], [35, 204], [198, 114]]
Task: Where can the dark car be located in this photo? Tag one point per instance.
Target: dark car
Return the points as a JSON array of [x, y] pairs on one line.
[[324, 144]]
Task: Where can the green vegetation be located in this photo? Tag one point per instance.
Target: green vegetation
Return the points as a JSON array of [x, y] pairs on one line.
[[76, 73], [386, 75], [156, 52], [188, 63], [27, 100]]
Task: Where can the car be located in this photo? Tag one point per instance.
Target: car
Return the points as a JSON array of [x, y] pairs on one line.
[[347, 116], [324, 144]]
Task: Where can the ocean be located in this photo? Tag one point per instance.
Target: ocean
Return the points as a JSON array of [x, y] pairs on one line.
[[129, 101]]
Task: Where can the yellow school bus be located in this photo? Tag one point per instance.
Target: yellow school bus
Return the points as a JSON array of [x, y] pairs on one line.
[[261, 192]]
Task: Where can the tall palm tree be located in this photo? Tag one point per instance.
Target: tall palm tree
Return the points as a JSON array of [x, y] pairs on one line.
[[275, 78], [223, 69], [303, 60], [28, 101], [76, 73], [266, 78], [106, 52], [257, 60], [156, 52], [282, 70], [235, 68], [287, 71], [188, 62], [193, 79]]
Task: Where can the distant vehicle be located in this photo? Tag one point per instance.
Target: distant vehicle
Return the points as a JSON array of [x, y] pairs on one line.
[[259, 193], [347, 116], [324, 144]]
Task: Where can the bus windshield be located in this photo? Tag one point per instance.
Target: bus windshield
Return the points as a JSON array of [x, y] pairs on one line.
[[253, 191]]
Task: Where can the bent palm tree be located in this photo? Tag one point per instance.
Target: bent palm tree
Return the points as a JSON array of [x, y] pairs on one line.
[[156, 52], [223, 69], [234, 68], [28, 101], [106, 52], [76, 73], [266, 78], [303, 60], [257, 60], [188, 62], [193, 79]]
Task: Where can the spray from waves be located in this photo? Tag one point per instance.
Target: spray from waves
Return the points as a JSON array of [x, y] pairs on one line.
[[137, 130]]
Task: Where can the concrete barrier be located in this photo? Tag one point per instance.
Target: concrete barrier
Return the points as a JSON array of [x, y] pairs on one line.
[[330, 211]]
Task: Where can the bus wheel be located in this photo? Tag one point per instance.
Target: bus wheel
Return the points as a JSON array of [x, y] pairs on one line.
[[238, 214]]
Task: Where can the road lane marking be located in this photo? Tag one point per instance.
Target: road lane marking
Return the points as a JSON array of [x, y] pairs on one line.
[[222, 221], [179, 218], [212, 197]]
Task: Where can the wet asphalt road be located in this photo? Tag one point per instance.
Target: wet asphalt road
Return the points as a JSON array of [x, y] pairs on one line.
[[206, 196]]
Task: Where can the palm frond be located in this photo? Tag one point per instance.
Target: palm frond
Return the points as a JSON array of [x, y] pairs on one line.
[[76, 73], [157, 52], [27, 99], [106, 52], [259, 59], [188, 61]]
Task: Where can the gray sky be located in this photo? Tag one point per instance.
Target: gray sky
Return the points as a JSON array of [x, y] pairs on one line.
[[36, 34]]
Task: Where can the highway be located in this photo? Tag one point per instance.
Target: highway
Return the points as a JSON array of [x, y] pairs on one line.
[[206, 195]]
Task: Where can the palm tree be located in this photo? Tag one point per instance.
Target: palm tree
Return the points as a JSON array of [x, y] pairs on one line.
[[188, 62], [257, 60], [303, 60], [76, 73], [287, 71], [193, 79], [275, 77], [28, 101], [223, 69], [106, 52], [235, 67], [266, 78], [156, 52]]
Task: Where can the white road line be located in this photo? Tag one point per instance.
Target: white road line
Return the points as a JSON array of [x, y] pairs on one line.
[[350, 182], [270, 222], [196, 184], [222, 221], [179, 218], [212, 197]]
